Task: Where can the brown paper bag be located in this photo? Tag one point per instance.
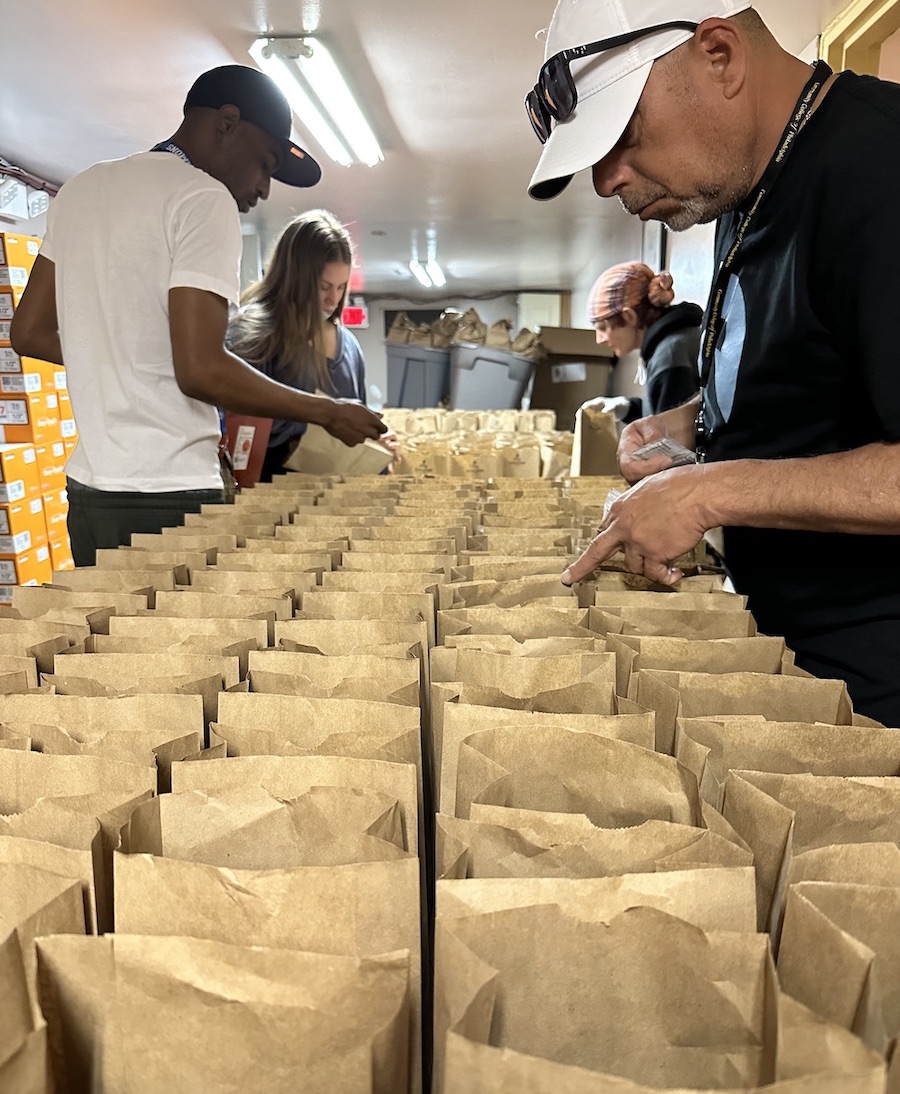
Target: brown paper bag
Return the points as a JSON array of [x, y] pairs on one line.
[[513, 593], [172, 726], [720, 655], [22, 1036], [839, 956], [34, 601], [319, 452], [613, 783], [401, 328], [471, 329], [601, 1019], [329, 636], [361, 562], [674, 623], [132, 558], [62, 862], [676, 695], [95, 578], [330, 1022], [402, 607], [596, 443], [713, 747], [500, 843], [780, 816], [345, 910], [248, 829], [289, 776], [520, 623], [474, 1068], [359, 676]]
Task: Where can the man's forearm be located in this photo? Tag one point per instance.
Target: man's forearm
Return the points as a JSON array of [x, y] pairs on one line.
[[41, 346], [230, 383], [855, 492]]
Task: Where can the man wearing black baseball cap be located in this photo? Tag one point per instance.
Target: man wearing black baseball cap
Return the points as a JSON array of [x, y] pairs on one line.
[[131, 291]]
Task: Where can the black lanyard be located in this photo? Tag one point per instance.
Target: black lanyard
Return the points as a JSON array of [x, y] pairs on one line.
[[714, 326], [171, 146]]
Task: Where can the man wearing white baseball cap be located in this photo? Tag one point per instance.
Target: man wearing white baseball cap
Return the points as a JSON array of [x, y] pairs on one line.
[[689, 111]]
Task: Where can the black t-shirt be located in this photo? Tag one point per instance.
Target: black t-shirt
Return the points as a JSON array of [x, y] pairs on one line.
[[809, 360]]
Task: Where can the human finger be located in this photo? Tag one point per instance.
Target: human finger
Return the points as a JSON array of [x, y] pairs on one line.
[[601, 547]]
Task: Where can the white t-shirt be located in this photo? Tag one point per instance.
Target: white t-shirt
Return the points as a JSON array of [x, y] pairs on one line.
[[121, 234]]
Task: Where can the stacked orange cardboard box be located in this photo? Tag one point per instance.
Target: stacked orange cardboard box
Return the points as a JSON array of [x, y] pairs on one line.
[[35, 415]]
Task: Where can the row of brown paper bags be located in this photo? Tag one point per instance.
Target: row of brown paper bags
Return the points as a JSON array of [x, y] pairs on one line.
[[453, 326], [488, 456], [716, 1021], [409, 423]]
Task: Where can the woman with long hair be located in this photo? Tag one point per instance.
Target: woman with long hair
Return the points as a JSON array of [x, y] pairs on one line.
[[289, 325]]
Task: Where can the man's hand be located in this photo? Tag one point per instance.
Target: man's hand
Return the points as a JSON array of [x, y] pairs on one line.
[[653, 523], [677, 424], [352, 423]]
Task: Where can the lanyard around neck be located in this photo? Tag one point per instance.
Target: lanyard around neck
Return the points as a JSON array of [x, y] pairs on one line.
[[714, 325], [171, 146], [799, 118]]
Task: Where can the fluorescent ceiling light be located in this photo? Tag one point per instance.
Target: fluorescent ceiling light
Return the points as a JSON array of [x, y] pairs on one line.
[[306, 72], [434, 271], [419, 272]]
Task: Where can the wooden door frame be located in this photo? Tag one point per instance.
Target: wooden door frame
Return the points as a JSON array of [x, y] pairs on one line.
[[855, 38]]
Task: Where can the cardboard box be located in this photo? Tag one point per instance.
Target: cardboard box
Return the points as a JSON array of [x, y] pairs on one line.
[[574, 368], [53, 377], [61, 554], [19, 251], [51, 462], [22, 526], [56, 513], [33, 416], [28, 568], [19, 474]]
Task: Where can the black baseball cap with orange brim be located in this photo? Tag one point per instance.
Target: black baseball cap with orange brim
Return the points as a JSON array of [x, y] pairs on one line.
[[261, 103]]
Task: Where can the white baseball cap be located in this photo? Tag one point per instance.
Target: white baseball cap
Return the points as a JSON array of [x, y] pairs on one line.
[[610, 83]]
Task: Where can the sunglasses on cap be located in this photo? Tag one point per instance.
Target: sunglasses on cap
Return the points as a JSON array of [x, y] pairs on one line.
[[554, 96]]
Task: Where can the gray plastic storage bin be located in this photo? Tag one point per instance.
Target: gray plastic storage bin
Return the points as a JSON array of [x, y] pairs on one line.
[[487, 379], [417, 376]]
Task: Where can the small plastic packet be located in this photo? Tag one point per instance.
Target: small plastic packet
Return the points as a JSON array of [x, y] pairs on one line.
[[676, 453]]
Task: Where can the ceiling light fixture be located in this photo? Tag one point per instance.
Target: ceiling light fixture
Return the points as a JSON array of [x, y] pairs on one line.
[[435, 273], [307, 74], [420, 273]]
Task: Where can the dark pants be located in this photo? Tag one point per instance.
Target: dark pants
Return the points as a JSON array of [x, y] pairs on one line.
[[867, 657], [105, 518]]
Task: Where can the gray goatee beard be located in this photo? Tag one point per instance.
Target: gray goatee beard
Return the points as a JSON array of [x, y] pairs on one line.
[[703, 208]]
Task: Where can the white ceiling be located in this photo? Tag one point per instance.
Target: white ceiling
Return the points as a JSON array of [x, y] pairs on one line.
[[442, 85]]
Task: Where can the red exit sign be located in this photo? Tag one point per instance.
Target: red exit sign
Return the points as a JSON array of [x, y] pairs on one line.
[[355, 315]]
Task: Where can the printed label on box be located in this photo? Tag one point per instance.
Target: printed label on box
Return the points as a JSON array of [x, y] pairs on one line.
[[14, 276], [36, 505], [243, 445], [29, 455], [58, 449], [15, 545], [4, 522], [4, 330], [6, 305], [6, 594], [9, 359], [43, 553], [7, 571], [33, 247], [59, 380], [52, 402], [67, 427], [13, 412], [13, 384], [12, 491], [573, 373]]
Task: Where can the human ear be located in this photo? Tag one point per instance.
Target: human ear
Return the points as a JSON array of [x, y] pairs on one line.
[[724, 52], [629, 317], [229, 118]]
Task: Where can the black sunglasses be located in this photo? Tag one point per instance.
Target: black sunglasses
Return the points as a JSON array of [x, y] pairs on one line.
[[554, 95]]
